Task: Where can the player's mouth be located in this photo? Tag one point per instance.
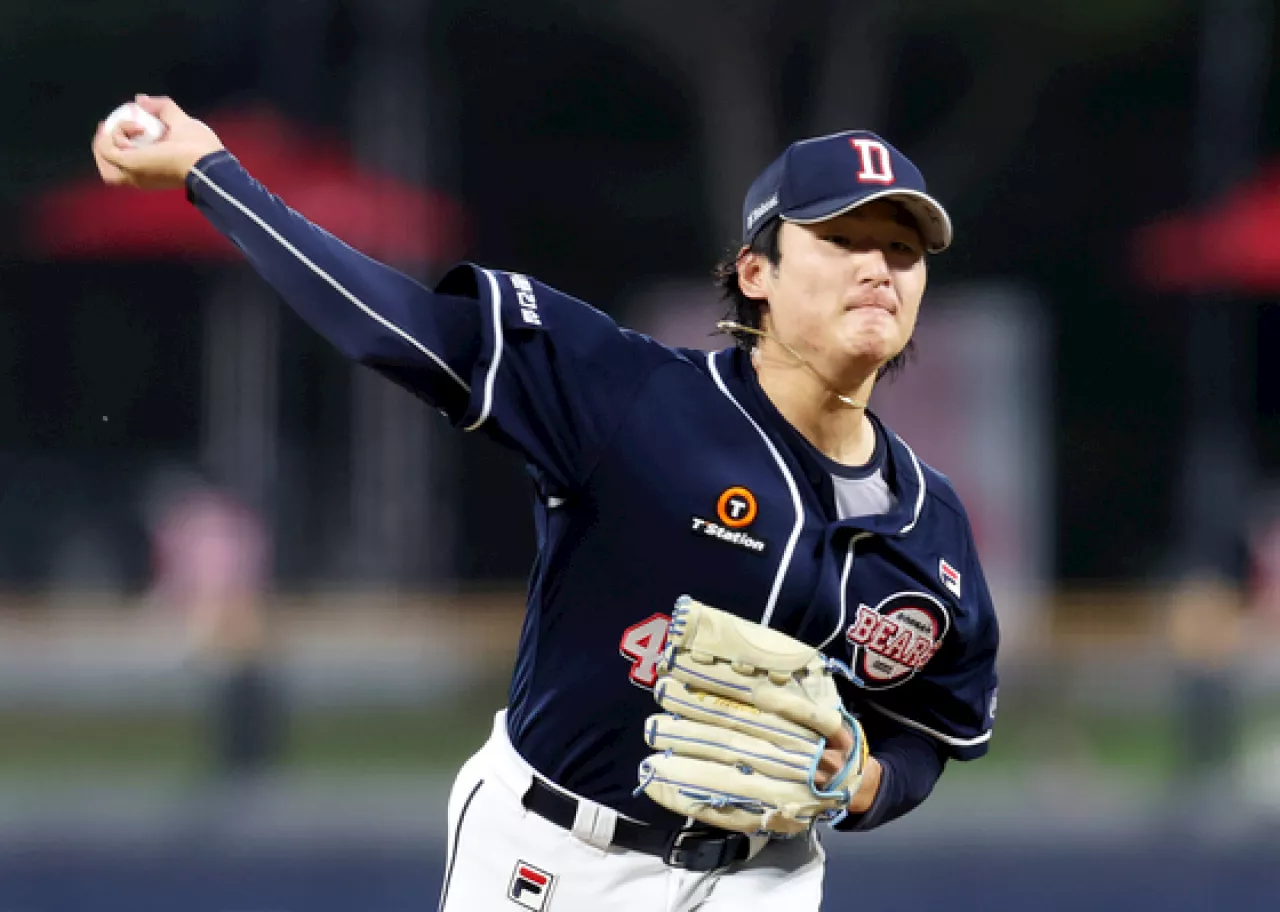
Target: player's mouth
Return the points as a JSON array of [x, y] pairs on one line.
[[874, 302]]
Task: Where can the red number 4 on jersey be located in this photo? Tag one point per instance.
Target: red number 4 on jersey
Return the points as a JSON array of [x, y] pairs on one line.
[[643, 644]]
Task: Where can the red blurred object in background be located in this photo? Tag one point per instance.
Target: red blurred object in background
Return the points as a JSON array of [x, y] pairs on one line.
[[1233, 245], [383, 216]]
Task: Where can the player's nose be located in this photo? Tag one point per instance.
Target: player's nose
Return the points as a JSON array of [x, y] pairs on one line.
[[873, 268]]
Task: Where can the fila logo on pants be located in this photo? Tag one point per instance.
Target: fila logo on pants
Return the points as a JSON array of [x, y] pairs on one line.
[[530, 887]]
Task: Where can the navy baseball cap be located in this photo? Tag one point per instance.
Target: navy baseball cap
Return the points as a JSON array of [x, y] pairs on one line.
[[817, 179]]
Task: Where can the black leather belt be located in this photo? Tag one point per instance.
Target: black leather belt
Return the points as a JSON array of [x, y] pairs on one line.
[[692, 850]]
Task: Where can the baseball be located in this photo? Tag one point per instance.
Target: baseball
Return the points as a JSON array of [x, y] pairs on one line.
[[153, 128]]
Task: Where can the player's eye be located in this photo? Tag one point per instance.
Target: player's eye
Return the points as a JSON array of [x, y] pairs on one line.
[[904, 248], [839, 240]]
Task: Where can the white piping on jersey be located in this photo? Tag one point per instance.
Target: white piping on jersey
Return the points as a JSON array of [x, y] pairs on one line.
[[844, 586], [372, 314], [787, 552], [945, 739], [495, 303], [920, 496]]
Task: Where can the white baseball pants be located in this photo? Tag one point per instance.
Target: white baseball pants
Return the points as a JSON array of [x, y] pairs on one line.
[[503, 857]]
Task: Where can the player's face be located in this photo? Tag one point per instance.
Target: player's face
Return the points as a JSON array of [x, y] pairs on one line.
[[847, 291]]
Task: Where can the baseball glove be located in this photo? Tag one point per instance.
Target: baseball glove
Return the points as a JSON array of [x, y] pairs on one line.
[[749, 711]]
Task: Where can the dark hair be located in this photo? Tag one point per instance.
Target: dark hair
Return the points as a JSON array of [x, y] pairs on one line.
[[749, 311]]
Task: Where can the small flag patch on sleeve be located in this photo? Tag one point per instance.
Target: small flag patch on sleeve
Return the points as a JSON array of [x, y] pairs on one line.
[[950, 576]]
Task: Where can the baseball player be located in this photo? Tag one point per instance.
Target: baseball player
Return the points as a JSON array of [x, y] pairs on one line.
[[754, 613]]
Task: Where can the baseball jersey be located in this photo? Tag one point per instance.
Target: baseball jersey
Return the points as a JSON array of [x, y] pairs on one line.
[[657, 472]]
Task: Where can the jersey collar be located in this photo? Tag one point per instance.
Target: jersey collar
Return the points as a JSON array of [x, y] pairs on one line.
[[903, 471]]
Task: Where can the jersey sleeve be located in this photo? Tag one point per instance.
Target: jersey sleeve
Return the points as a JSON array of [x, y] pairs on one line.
[[555, 376], [537, 370], [952, 698]]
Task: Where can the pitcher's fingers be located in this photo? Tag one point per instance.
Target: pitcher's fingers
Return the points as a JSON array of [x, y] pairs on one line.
[[122, 136], [101, 142], [161, 106], [842, 740], [832, 761], [102, 147], [109, 153], [107, 171]]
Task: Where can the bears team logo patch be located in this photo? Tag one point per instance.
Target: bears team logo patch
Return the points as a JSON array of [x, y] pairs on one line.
[[736, 509], [531, 887], [897, 638]]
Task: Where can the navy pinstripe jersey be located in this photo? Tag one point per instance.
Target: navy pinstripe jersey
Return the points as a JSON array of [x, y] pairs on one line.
[[658, 472]]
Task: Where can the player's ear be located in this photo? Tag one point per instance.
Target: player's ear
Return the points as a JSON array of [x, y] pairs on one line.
[[753, 272]]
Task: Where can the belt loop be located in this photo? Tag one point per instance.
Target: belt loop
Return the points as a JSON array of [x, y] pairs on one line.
[[594, 824]]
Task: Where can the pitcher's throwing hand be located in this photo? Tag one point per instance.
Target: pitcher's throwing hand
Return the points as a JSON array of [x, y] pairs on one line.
[[162, 165]]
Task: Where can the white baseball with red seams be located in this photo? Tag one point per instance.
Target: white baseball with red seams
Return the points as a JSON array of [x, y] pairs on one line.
[[153, 128]]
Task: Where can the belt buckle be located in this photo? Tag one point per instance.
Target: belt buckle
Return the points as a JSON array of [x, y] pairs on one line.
[[703, 854]]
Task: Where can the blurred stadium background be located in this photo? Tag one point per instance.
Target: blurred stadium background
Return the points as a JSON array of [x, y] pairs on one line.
[[257, 605]]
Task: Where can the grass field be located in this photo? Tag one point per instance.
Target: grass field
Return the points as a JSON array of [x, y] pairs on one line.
[[175, 746]]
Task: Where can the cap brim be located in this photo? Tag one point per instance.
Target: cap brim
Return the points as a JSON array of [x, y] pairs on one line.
[[935, 224]]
